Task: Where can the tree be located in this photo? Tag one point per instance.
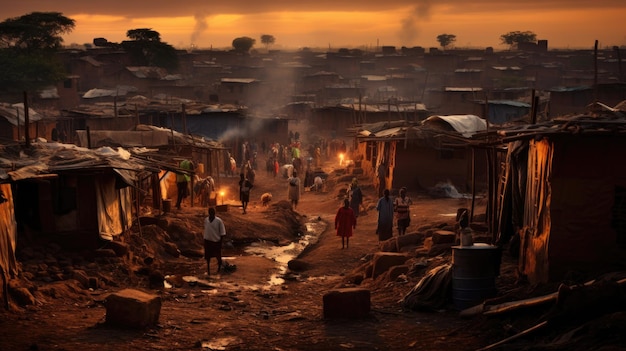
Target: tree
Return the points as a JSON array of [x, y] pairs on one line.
[[243, 44], [147, 49], [29, 43], [513, 39], [144, 34], [267, 40], [35, 32], [446, 39]]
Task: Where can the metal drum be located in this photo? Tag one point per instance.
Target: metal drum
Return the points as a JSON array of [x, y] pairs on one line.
[[474, 271]]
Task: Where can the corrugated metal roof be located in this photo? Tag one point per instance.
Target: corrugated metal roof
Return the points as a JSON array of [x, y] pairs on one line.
[[238, 80], [466, 125], [463, 89], [15, 112]]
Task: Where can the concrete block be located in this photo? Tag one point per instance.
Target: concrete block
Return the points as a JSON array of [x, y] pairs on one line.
[[133, 309], [347, 303]]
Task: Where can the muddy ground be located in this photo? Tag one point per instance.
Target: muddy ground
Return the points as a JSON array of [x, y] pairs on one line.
[[263, 304]]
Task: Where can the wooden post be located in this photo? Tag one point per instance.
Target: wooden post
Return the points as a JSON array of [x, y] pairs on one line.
[[533, 115], [26, 121], [595, 72], [184, 116]]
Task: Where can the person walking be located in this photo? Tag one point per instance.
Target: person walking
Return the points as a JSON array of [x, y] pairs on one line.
[[403, 214], [244, 191], [356, 196], [384, 206], [294, 189], [345, 221], [213, 234]]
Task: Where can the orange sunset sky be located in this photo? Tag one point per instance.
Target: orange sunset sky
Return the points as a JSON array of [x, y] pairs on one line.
[[335, 24]]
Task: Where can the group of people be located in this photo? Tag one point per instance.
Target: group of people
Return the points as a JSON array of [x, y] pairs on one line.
[[345, 219], [388, 208]]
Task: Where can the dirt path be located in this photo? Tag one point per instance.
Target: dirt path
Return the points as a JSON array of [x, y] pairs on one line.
[[245, 310]]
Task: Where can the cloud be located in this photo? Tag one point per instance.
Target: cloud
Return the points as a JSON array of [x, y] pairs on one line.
[[168, 8]]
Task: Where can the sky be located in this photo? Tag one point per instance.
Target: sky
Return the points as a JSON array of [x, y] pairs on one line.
[[334, 24]]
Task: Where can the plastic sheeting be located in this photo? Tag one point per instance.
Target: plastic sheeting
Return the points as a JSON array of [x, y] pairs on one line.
[[114, 208]]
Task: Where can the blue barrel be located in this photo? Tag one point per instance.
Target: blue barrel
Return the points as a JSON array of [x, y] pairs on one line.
[[474, 271]]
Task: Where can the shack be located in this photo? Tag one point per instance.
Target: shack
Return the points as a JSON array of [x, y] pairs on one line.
[[422, 155], [562, 194]]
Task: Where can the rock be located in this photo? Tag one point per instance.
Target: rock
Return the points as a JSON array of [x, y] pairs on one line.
[[298, 265], [443, 237], [20, 294], [120, 248], [156, 280], [411, 239], [171, 249], [438, 249], [81, 277], [384, 260], [176, 281], [346, 303], [132, 309], [396, 271]]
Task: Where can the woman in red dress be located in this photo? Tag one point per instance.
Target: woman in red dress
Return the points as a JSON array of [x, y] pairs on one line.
[[345, 221]]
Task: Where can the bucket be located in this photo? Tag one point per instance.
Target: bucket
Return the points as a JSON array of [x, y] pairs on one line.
[[167, 205], [474, 271]]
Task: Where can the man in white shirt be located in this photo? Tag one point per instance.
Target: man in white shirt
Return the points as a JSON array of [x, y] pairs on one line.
[[213, 233]]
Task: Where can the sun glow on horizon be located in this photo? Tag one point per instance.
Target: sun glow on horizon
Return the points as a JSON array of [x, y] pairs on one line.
[[397, 27]]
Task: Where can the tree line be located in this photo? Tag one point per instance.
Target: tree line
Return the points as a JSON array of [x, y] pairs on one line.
[[513, 39], [28, 44]]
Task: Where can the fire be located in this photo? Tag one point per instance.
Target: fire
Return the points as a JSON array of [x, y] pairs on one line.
[[341, 157]]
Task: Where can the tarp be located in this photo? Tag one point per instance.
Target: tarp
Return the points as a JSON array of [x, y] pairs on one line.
[[466, 125]]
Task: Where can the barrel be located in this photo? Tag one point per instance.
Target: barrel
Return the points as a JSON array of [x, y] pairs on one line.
[[474, 271]]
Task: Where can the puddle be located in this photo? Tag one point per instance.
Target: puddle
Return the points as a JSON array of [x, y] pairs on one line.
[[279, 254], [283, 254]]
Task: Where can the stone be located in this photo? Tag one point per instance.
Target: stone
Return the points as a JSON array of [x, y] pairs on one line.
[[396, 271], [22, 296], [171, 249], [382, 261], [439, 249], [443, 237], [298, 265], [411, 239], [81, 277], [132, 309], [346, 303], [121, 249]]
